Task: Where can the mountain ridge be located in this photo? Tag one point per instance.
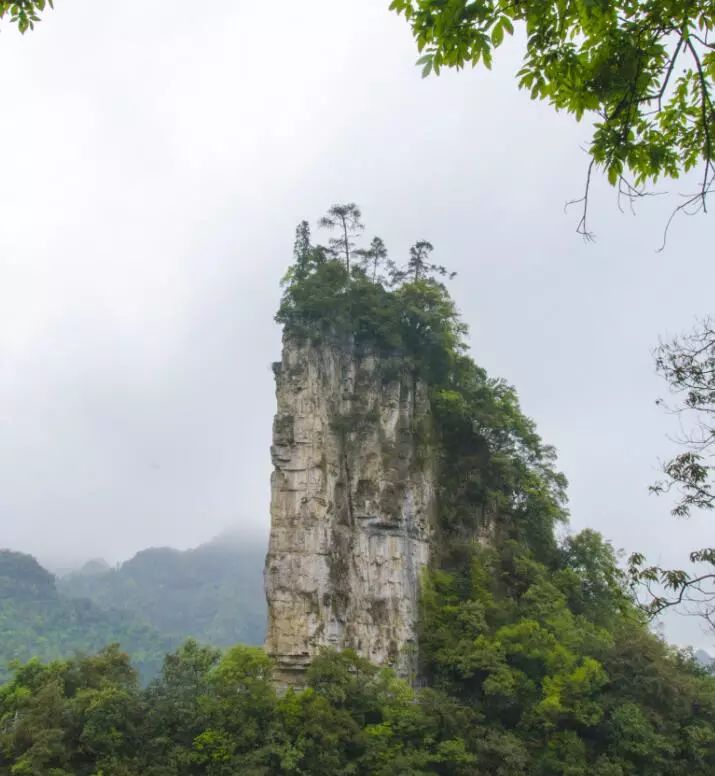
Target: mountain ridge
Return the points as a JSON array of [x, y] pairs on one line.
[[149, 604], [213, 592]]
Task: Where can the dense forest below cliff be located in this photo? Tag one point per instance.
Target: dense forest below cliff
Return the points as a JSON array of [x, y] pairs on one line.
[[535, 659]]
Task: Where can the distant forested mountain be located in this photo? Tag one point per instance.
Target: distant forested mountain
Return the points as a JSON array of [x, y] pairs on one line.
[[213, 593], [37, 621], [149, 605]]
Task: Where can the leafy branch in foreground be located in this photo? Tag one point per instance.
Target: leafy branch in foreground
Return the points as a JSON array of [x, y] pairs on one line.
[[667, 588], [645, 69], [24, 13], [688, 365]]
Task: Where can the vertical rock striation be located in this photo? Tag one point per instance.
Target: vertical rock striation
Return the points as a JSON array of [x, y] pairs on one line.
[[352, 507]]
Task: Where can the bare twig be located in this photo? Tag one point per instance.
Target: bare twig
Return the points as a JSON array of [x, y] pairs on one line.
[[582, 227]]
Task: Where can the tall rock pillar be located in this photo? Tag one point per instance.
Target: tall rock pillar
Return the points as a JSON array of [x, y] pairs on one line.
[[352, 507]]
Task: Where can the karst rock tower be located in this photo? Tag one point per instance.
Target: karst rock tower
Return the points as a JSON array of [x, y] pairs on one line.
[[352, 507]]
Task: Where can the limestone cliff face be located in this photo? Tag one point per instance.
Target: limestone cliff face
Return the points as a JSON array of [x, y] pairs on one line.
[[352, 507]]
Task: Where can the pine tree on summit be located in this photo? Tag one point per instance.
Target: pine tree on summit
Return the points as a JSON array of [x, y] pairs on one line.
[[346, 218], [419, 267], [302, 249], [307, 257], [372, 259]]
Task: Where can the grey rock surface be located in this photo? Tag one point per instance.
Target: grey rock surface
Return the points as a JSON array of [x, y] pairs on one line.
[[352, 507]]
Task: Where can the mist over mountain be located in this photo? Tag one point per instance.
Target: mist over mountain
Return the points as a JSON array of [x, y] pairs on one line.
[[213, 593], [148, 605], [37, 621]]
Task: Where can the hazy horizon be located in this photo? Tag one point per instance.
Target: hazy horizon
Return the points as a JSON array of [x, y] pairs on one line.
[[59, 564], [152, 183]]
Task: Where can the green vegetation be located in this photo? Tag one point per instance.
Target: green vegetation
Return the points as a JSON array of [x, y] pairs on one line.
[[516, 694], [559, 671], [149, 605], [535, 659], [36, 621], [213, 593], [24, 13], [688, 365], [219, 715], [646, 70]]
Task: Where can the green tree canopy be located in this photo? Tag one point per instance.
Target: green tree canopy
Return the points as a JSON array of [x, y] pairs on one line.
[[645, 69]]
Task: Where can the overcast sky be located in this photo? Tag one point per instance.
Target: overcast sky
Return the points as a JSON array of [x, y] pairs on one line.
[[156, 158]]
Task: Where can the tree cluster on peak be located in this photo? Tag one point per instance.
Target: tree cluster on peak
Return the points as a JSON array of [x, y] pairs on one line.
[[495, 470]]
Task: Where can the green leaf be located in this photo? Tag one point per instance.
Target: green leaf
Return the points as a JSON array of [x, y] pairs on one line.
[[498, 33]]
